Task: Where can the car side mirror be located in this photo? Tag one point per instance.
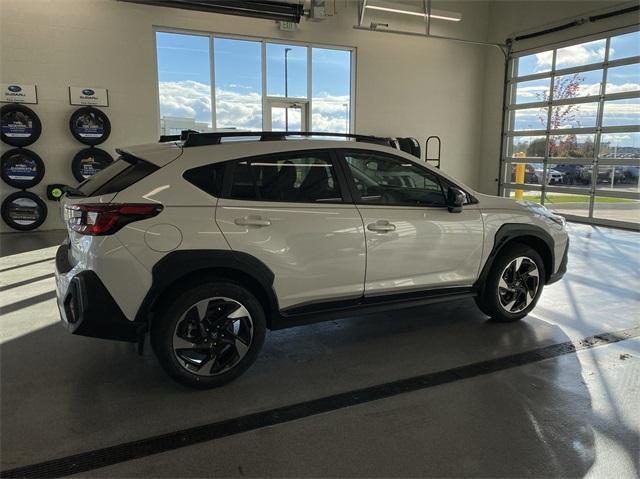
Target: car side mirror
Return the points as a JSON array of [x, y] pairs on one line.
[[455, 199]]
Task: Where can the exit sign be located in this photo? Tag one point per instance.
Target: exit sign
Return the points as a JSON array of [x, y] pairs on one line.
[[288, 26]]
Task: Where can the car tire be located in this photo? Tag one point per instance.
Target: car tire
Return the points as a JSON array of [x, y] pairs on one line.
[[210, 334], [23, 211], [506, 296]]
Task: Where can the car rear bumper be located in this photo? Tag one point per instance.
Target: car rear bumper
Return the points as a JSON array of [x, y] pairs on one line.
[[87, 308]]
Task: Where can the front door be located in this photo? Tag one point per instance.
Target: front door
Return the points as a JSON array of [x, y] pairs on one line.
[[287, 210], [413, 241], [286, 115]]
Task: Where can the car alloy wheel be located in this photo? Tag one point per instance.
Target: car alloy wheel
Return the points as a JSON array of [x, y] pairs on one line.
[[518, 284], [213, 336]]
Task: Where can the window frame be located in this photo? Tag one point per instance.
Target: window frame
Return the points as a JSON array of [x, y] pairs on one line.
[[357, 200], [596, 160], [265, 99], [230, 166]]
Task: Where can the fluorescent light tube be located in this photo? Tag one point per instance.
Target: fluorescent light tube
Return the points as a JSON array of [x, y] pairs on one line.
[[439, 14]]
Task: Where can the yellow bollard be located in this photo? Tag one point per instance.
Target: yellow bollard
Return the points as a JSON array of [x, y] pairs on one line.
[[519, 180]]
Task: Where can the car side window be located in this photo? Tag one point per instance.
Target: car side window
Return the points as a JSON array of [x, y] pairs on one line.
[[303, 178], [208, 178], [387, 180]]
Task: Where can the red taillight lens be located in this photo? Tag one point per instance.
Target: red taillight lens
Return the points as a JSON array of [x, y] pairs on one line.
[[98, 219]]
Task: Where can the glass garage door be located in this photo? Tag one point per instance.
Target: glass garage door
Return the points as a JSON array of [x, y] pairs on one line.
[[572, 130]]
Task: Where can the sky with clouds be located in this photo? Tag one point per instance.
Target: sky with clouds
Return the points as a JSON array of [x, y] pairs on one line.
[[620, 79], [184, 75]]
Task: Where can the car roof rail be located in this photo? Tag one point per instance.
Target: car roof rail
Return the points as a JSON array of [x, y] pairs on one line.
[[194, 138]]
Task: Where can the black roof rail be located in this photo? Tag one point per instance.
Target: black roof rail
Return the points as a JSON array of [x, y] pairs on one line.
[[194, 138], [166, 138]]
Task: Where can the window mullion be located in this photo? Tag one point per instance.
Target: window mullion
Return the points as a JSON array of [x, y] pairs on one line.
[[212, 80], [547, 151], [596, 144]]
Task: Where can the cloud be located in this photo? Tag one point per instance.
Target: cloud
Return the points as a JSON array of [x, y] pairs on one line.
[[191, 99], [185, 99], [238, 110], [572, 56], [613, 88], [532, 91]]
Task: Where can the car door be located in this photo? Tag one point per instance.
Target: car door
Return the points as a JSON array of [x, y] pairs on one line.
[[413, 241], [290, 211]]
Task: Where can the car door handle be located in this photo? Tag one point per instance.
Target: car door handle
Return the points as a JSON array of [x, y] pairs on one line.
[[248, 221], [381, 227]]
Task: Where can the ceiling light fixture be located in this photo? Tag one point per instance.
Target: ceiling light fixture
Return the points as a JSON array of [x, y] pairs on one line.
[[439, 14]]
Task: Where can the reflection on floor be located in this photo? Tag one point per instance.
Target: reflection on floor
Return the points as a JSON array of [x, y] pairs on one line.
[[571, 416]]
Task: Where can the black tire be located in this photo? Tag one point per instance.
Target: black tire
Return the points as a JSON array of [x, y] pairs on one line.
[[14, 114], [90, 126], [410, 145], [24, 211], [18, 160], [488, 300], [88, 162], [176, 314]]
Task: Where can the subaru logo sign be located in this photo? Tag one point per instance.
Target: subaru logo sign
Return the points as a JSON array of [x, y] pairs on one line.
[[88, 92], [14, 88]]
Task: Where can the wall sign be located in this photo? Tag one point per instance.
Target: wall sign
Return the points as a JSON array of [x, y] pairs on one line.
[[19, 93], [88, 96]]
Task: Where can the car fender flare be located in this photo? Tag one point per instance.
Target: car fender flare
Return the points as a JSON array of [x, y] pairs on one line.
[[508, 233], [178, 265]]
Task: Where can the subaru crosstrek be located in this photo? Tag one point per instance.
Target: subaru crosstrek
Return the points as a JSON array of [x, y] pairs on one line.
[[205, 242]]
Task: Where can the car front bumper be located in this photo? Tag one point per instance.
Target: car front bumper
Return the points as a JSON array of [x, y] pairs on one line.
[[87, 308], [562, 269]]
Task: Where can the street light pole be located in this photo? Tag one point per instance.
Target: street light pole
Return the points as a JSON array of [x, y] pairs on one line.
[[346, 117], [286, 86]]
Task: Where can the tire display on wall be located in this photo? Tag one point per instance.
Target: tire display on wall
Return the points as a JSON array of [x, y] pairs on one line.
[[20, 125], [21, 168], [88, 162], [23, 211], [89, 125]]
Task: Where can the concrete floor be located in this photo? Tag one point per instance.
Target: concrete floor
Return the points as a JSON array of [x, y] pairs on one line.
[[574, 415]]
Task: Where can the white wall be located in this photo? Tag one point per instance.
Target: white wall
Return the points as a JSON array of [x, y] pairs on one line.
[[405, 86], [509, 18]]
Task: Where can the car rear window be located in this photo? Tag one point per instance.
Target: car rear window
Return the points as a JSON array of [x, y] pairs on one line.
[[122, 173]]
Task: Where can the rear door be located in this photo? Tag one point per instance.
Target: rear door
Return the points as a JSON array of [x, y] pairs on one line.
[[413, 241], [293, 212]]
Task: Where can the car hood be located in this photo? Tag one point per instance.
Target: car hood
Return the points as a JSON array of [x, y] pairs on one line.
[[488, 202]]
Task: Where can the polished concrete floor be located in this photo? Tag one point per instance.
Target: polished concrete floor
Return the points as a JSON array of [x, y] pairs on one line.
[[573, 415]]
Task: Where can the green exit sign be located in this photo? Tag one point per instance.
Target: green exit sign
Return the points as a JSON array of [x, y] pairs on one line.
[[288, 26]]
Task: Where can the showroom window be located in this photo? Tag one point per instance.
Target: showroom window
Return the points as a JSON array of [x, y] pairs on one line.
[[572, 129], [209, 82]]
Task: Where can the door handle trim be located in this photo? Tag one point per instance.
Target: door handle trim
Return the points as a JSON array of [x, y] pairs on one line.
[[381, 228], [252, 222]]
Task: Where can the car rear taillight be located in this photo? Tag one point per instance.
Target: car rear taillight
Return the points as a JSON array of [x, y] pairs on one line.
[[97, 219]]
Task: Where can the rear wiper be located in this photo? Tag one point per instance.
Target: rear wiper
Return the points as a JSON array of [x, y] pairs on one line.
[[71, 191]]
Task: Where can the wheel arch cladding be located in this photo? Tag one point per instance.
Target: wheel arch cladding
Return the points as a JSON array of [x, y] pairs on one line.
[[178, 270], [532, 236], [543, 249]]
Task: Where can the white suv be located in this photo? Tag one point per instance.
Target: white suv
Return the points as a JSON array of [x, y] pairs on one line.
[[207, 241]]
